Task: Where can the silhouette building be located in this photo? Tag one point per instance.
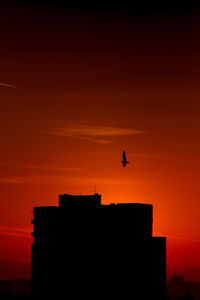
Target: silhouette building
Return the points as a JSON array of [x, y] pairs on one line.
[[85, 249], [178, 288]]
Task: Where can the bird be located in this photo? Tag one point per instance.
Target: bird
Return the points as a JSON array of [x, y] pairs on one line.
[[124, 161]]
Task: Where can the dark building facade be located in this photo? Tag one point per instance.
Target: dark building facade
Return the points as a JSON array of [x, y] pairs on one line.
[[178, 288], [85, 249]]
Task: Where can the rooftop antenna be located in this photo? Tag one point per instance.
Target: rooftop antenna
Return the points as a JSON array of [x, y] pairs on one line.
[[95, 189]]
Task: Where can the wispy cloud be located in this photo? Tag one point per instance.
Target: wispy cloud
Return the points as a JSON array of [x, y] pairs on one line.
[[38, 180], [65, 169], [14, 237], [94, 133], [15, 231], [3, 84], [177, 237], [72, 181]]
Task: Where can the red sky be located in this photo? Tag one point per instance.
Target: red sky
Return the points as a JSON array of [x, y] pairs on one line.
[[77, 88]]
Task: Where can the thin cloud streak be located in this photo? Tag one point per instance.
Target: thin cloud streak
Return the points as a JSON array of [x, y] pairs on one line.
[[4, 164], [2, 84], [94, 133], [71, 181], [14, 231], [177, 237], [90, 139]]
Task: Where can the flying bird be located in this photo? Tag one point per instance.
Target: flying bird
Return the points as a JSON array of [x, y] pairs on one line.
[[124, 161]]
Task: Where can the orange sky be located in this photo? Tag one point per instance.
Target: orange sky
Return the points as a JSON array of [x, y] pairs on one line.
[[78, 88]]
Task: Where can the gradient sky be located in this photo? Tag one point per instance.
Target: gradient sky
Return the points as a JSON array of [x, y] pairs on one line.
[[77, 87]]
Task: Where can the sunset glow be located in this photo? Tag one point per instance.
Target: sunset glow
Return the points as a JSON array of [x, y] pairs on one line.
[[76, 89]]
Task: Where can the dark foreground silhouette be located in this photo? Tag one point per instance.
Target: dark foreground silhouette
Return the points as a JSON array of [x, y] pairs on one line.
[[178, 288], [85, 249]]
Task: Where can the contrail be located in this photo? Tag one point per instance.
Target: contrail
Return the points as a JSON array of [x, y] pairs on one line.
[[8, 85]]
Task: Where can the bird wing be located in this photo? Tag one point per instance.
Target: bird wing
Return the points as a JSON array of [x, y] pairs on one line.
[[124, 155]]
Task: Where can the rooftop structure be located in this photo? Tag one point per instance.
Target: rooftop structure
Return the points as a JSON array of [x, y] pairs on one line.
[[89, 249]]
